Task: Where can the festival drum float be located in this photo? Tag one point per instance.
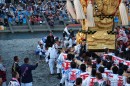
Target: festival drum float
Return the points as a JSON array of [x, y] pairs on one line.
[[97, 16]]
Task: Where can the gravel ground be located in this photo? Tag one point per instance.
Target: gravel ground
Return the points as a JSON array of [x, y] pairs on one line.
[[23, 45]]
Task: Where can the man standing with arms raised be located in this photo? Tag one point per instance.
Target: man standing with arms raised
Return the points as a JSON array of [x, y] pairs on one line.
[[26, 72]]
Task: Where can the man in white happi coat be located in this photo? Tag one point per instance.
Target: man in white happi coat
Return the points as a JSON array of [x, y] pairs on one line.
[[72, 75], [61, 58], [84, 74], [65, 67], [51, 55]]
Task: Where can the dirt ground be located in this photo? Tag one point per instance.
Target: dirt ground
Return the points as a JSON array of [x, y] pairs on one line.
[[23, 45]]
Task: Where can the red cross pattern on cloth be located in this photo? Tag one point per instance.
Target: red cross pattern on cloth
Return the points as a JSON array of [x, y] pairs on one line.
[[65, 56], [66, 65], [92, 80], [73, 76], [84, 76], [120, 81]]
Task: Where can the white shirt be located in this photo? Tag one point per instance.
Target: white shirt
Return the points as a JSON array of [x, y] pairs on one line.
[[2, 68], [127, 84], [88, 81], [62, 57], [70, 43], [52, 52], [113, 79], [72, 75], [66, 30], [40, 49], [77, 49]]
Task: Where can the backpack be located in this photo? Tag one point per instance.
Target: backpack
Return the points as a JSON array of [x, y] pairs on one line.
[[13, 83], [103, 83]]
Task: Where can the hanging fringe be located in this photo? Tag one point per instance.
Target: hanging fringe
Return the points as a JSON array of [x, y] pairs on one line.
[[90, 17], [79, 10], [123, 14], [70, 9]]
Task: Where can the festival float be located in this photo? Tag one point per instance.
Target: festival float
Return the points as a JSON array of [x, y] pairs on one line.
[[97, 20]]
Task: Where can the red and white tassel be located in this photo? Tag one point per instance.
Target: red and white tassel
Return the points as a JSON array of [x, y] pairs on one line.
[[79, 10], [70, 9], [90, 17], [123, 14]]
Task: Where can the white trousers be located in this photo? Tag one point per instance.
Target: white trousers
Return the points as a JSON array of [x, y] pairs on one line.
[[26, 84], [4, 84], [70, 84], [51, 65]]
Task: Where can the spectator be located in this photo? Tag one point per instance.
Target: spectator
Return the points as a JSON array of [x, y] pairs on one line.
[[128, 82], [100, 81], [2, 72], [78, 82], [1, 80], [50, 40], [52, 55], [14, 81], [16, 67], [26, 72]]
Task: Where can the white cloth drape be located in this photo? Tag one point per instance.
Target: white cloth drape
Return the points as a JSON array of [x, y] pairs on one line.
[[123, 14], [90, 17], [70, 9], [79, 10]]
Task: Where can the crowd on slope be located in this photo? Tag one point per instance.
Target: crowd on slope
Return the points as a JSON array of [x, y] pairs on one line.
[[21, 11]]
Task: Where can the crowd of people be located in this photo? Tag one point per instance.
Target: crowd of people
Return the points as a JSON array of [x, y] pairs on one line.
[[21, 75], [76, 66], [20, 11]]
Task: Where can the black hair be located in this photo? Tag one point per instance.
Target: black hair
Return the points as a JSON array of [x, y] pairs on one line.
[[101, 69], [78, 81], [121, 65], [104, 62], [93, 72], [88, 60], [15, 58], [115, 69], [69, 56], [83, 67], [110, 58], [98, 60], [109, 65], [26, 60], [128, 80], [125, 67], [120, 72], [98, 75], [94, 66], [73, 65], [14, 74]]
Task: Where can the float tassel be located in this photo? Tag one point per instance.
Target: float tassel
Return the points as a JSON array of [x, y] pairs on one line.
[[79, 10], [90, 17], [123, 14], [70, 9]]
